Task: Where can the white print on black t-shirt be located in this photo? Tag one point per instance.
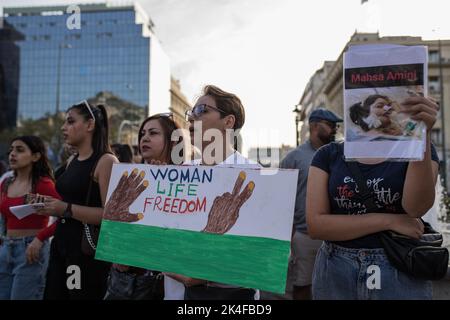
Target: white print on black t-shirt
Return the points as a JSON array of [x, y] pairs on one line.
[[348, 198]]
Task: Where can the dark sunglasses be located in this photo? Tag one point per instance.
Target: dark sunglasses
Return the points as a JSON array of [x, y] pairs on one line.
[[332, 125], [86, 104], [164, 115], [200, 109]]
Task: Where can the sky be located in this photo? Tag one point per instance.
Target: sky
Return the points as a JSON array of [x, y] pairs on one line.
[[265, 51]]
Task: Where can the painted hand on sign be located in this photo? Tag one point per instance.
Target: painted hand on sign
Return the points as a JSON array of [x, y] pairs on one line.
[[225, 209], [127, 191]]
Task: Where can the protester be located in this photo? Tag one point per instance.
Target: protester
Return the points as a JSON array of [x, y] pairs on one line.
[[403, 192], [322, 130], [83, 187], [220, 111], [155, 147], [123, 152], [24, 252]]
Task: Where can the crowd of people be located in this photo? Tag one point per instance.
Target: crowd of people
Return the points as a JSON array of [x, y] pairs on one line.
[[333, 235]]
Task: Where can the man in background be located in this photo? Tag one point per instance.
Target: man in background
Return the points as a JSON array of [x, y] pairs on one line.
[[323, 125]]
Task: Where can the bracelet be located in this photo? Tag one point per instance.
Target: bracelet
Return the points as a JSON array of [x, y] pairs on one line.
[[68, 212]]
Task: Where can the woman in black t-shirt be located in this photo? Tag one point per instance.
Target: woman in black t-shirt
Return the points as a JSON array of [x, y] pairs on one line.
[[73, 273], [351, 263]]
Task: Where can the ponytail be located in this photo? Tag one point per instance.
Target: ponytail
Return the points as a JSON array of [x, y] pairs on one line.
[[100, 143]]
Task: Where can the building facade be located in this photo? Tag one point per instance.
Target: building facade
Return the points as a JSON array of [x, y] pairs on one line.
[[179, 104], [329, 91], [112, 49], [313, 98], [9, 74]]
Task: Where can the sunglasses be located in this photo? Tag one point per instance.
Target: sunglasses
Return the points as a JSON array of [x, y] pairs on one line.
[[89, 108], [164, 115], [200, 109], [332, 125]]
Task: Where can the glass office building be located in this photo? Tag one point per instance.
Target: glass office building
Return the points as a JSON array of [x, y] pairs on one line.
[[9, 74], [114, 50]]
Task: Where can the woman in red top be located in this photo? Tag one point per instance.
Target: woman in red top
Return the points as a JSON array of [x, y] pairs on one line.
[[24, 250]]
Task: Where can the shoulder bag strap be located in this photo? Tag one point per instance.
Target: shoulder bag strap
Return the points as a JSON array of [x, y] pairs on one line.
[[87, 230]]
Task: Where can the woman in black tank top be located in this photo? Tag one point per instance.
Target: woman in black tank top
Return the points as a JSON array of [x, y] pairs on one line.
[[73, 274]]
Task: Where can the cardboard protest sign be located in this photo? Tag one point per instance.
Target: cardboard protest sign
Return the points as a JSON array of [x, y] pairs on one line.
[[377, 79], [228, 225]]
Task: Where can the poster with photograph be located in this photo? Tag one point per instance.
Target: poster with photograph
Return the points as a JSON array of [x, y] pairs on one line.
[[377, 79], [227, 225]]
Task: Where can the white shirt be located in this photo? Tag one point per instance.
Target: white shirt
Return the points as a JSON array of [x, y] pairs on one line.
[[173, 289]]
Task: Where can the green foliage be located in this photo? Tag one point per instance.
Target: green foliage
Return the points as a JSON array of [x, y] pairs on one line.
[[49, 126], [445, 205]]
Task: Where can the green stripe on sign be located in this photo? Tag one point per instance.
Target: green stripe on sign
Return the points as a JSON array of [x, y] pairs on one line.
[[250, 262]]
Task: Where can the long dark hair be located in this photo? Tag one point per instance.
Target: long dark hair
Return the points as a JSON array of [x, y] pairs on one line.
[[41, 168], [3, 167], [123, 152], [168, 126], [100, 143], [361, 110]]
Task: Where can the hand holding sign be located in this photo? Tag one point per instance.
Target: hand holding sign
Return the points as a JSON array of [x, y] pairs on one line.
[[225, 209], [34, 198], [127, 191], [422, 109]]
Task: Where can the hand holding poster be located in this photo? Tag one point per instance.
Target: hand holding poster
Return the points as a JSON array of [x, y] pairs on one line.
[[227, 225], [378, 79]]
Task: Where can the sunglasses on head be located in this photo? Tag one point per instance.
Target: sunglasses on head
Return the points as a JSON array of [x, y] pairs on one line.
[[164, 115], [84, 102], [200, 109]]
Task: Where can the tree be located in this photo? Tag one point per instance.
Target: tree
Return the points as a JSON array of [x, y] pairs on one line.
[[48, 127]]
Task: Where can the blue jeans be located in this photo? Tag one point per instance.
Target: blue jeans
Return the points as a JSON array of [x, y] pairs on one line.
[[18, 279], [2, 226], [362, 274]]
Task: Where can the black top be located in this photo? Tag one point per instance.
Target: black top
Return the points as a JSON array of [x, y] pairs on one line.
[[73, 185], [385, 180]]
